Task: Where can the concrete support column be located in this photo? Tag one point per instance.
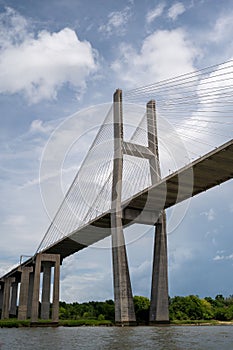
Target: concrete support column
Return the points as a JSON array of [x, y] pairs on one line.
[[36, 290], [30, 294], [6, 297], [46, 261], [14, 295], [56, 288], [23, 296], [1, 294], [45, 302], [159, 308], [153, 142], [124, 307]]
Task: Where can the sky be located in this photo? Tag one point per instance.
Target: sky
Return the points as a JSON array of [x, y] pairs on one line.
[[58, 61]]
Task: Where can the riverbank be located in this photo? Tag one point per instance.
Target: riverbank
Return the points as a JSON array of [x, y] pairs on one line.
[[201, 323], [14, 323]]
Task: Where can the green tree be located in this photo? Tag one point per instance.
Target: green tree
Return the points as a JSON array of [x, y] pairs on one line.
[[207, 309], [142, 306]]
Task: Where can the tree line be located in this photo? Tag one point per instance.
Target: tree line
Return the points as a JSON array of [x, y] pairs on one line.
[[180, 308]]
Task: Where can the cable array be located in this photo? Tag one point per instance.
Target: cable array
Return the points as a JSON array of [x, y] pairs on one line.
[[89, 195], [194, 112], [194, 115]]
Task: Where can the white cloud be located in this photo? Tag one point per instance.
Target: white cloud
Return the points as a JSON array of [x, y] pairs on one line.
[[223, 28], [223, 257], [209, 214], [116, 23], [176, 10], [13, 28], [38, 66], [163, 54], [156, 12], [79, 272], [37, 126]]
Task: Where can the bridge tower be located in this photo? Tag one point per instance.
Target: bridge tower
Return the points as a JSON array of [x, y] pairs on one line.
[[124, 308], [159, 312]]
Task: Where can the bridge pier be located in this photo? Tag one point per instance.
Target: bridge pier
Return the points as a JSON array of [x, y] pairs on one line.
[[44, 262], [45, 301], [1, 294], [30, 293], [14, 295], [24, 288], [6, 297]]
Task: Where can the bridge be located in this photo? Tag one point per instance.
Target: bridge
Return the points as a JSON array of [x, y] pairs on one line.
[[80, 223]]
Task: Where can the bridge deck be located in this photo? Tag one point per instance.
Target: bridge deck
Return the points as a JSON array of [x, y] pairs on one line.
[[204, 173]]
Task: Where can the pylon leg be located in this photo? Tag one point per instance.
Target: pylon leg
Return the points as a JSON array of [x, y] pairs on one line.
[[124, 307], [159, 309]]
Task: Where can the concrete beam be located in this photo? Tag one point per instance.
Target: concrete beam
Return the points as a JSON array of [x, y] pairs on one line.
[[144, 217], [136, 150]]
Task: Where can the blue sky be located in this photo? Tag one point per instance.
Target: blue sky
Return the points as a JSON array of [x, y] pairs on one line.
[[60, 57]]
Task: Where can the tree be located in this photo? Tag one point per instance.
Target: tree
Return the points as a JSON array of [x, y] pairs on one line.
[[207, 309], [142, 306]]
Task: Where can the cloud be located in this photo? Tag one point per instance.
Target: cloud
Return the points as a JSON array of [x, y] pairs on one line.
[[116, 23], [39, 65], [209, 214], [163, 54], [223, 28], [223, 257], [13, 28], [176, 10], [156, 12], [37, 126], [79, 272]]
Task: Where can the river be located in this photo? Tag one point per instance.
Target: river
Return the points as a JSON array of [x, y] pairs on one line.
[[101, 338]]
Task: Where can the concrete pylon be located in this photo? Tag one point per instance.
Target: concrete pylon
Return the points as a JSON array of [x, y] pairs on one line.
[[56, 289], [124, 307], [45, 300], [14, 295], [23, 296], [36, 289], [159, 308], [6, 297], [1, 293], [43, 263], [30, 294]]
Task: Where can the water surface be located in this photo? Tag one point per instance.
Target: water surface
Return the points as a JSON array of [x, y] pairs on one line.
[[101, 338]]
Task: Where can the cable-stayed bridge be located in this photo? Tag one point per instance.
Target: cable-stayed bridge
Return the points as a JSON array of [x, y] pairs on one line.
[[122, 182]]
